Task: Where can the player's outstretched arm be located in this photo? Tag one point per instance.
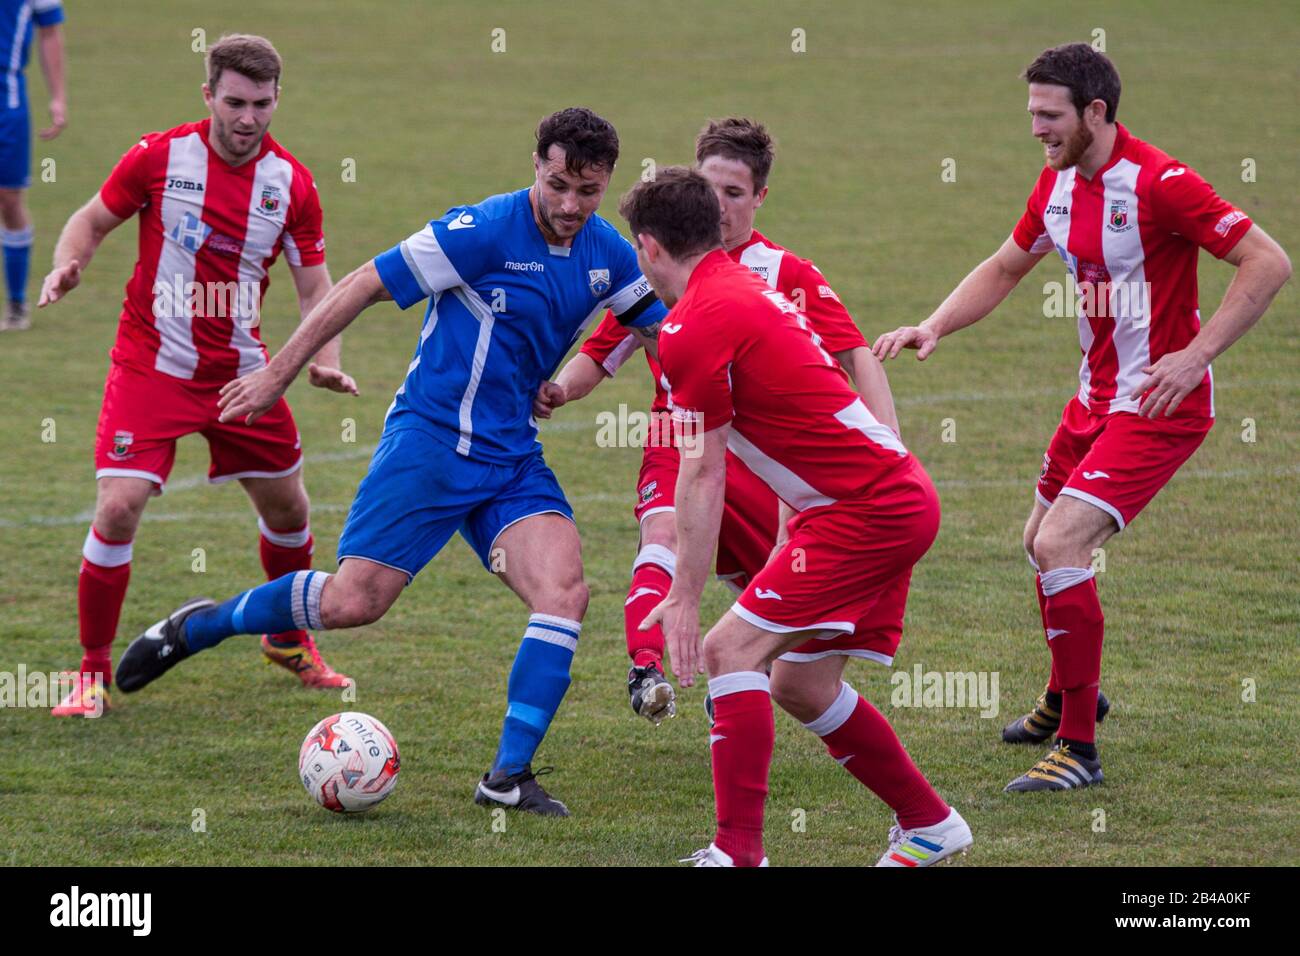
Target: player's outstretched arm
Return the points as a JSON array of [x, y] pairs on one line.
[[975, 297], [249, 397], [313, 284], [50, 44], [1262, 269], [576, 380], [701, 480], [81, 236]]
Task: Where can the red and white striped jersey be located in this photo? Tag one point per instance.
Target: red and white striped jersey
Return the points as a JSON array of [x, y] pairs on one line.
[[795, 278], [739, 352], [1130, 238], [209, 232]]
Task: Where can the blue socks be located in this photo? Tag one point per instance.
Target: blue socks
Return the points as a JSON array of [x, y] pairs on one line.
[[288, 603], [18, 255], [538, 681]]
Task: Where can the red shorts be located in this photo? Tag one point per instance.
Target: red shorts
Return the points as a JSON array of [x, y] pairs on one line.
[[750, 515], [1117, 462], [145, 412], [846, 569], [656, 484]]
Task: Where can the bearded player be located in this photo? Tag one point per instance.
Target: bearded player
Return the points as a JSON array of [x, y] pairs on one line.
[[1129, 221], [735, 155], [217, 200], [746, 372]]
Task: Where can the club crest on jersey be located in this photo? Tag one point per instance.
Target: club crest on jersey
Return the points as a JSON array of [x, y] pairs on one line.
[[270, 202], [122, 446], [1118, 215], [598, 280], [648, 492], [190, 232]]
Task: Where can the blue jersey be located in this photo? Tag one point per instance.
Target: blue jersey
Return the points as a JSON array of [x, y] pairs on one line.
[[16, 19], [505, 307]]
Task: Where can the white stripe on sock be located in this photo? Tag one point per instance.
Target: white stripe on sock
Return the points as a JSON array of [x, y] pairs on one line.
[[837, 713], [104, 554], [737, 682]]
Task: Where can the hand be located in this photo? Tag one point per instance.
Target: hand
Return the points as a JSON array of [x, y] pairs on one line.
[[335, 379], [905, 337], [59, 283], [58, 119], [681, 623], [549, 397], [1170, 379], [249, 396]]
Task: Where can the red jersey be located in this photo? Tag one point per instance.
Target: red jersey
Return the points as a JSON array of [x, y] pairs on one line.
[[739, 352], [1130, 238], [797, 279], [209, 232]]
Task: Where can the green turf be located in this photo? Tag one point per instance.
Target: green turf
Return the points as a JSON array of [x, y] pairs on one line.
[[1200, 593]]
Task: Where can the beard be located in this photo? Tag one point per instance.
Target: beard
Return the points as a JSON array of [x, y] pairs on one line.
[[1072, 149], [226, 136], [544, 215]]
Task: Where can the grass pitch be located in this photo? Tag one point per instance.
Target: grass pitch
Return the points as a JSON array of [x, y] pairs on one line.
[[1200, 593]]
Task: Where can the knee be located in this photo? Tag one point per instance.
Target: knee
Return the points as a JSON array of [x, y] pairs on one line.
[[349, 606], [803, 701], [1052, 547], [117, 518], [567, 599], [290, 514], [11, 208]]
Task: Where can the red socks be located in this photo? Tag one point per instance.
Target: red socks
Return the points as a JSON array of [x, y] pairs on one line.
[[740, 744], [860, 739], [1075, 627], [284, 552], [652, 576], [101, 589]]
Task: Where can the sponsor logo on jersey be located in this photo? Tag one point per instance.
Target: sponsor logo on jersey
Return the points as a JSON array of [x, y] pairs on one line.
[[1228, 221], [598, 281], [190, 232], [464, 221], [1118, 221], [526, 266], [122, 446], [1057, 211], [826, 292], [224, 244], [188, 185], [269, 204]]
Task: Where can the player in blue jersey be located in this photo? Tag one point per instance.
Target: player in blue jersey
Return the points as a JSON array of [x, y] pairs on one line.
[[512, 283], [16, 24]]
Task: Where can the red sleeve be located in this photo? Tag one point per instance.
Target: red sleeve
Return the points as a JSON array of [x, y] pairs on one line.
[[304, 238], [803, 284], [610, 345], [697, 361], [126, 190], [1186, 204], [1030, 234]]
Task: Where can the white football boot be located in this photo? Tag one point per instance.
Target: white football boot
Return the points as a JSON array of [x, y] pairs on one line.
[[712, 856], [926, 846]]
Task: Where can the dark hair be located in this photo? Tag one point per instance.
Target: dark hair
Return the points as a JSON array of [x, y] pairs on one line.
[[740, 139], [587, 139], [677, 207], [250, 56], [1088, 73]]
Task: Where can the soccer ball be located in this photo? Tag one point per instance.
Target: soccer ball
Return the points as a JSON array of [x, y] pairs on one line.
[[349, 762]]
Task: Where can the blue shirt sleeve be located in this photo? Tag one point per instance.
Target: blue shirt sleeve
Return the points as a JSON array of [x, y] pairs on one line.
[[47, 13], [633, 302], [448, 252]]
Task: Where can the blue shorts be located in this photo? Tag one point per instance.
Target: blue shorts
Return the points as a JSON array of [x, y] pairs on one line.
[[419, 492], [15, 148]]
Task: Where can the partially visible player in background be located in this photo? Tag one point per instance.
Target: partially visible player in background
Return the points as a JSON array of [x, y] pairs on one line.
[[748, 375], [16, 24], [217, 202], [735, 155], [1129, 222]]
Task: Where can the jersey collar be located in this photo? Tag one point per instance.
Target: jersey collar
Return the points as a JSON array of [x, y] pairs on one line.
[[1121, 143]]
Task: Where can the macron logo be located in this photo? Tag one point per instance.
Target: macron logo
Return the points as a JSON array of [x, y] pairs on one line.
[[103, 909], [463, 221], [1171, 173], [766, 595], [1094, 475]]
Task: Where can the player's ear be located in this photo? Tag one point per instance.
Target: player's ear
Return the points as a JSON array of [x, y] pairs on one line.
[[762, 195]]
